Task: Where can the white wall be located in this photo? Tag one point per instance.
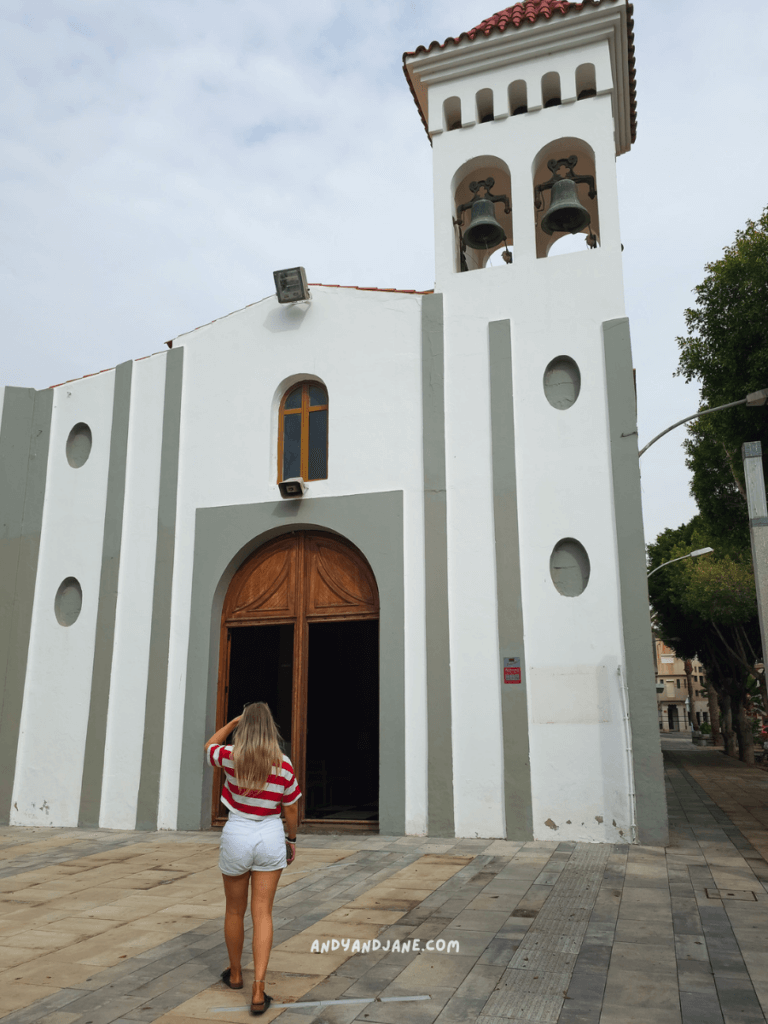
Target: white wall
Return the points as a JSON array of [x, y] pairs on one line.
[[58, 682], [531, 71], [133, 614], [518, 141], [366, 347], [573, 646]]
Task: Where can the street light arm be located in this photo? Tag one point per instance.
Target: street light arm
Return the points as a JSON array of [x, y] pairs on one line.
[[704, 412], [667, 563], [691, 554]]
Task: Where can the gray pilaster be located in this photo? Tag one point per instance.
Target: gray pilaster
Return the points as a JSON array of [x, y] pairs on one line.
[[518, 809], [93, 762], [439, 736], [650, 797], [159, 644], [24, 441], [224, 538]]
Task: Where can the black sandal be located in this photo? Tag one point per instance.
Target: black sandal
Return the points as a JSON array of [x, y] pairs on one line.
[[263, 1003], [225, 976]]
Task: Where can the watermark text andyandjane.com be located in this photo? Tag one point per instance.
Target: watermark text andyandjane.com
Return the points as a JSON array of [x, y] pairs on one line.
[[398, 946]]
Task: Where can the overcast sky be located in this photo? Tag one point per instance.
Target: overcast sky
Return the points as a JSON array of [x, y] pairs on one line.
[[163, 158]]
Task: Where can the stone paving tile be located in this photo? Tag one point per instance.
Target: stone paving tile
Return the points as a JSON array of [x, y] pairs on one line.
[[498, 952], [586, 990], [700, 1008], [417, 1013], [599, 933], [738, 1000], [647, 913], [372, 983], [31, 1014], [472, 995], [593, 959]]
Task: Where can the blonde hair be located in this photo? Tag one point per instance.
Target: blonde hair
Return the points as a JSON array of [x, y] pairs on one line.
[[256, 748]]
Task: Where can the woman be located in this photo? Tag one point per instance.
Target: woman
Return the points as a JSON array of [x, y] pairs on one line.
[[259, 781]]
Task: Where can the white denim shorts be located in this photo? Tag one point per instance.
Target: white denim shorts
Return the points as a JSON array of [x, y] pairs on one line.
[[252, 844]]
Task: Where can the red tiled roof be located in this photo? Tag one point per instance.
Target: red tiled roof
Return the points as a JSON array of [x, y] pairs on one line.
[[531, 11], [364, 288]]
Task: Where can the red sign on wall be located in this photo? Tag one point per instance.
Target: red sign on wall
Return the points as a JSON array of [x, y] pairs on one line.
[[512, 670]]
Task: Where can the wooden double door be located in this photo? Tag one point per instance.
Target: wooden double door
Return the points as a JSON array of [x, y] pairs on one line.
[[299, 630]]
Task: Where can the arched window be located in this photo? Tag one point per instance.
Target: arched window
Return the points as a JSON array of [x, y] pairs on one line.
[[550, 89], [452, 113], [518, 97], [303, 435], [585, 81], [484, 100]]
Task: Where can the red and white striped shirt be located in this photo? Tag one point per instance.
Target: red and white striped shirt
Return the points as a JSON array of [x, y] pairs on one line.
[[281, 789]]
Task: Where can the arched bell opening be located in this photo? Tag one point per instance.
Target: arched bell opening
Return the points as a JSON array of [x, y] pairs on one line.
[[566, 244], [586, 83], [567, 208], [484, 101], [517, 95], [482, 213], [452, 113], [550, 89]]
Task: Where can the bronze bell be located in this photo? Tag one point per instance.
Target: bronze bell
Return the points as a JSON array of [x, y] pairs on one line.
[[565, 212], [484, 231]]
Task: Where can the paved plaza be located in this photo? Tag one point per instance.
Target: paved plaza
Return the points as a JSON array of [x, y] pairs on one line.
[[99, 926]]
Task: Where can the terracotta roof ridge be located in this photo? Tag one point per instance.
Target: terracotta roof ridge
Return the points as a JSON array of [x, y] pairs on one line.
[[531, 11], [108, 369], [371, 288]]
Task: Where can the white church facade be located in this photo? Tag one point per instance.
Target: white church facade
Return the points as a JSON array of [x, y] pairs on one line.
[[451, 622]]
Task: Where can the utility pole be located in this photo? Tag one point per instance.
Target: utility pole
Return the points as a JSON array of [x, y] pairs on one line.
[[752, 453], [689, 684]]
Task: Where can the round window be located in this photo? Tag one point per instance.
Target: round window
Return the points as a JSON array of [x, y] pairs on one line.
[[562, 382], [79, 445], [569, 567], [68, 601]]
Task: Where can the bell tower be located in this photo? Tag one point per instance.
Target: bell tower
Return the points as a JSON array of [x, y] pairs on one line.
[[551, 677]]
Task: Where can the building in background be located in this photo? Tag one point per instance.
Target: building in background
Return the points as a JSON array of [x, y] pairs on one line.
[[451, 622], [672, 690]]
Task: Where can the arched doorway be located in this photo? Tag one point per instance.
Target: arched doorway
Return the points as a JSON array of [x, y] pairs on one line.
[[299, 630]]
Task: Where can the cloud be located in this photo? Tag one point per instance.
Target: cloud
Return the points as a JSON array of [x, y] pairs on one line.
[[162, 159]]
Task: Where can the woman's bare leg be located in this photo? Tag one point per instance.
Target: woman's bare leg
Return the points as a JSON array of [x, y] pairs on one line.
[[263, 888], [236, 892]]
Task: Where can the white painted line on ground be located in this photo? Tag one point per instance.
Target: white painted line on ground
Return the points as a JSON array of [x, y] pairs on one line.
[[326, 1002]]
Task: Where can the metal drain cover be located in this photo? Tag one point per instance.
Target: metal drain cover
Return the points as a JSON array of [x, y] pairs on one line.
[[731, 894]]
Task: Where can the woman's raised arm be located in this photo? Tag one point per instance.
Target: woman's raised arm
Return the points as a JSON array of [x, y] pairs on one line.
[[221, 734]]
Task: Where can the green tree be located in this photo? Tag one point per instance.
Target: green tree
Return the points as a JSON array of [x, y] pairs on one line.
[[709, 604], [708, 607], [726, 352]]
